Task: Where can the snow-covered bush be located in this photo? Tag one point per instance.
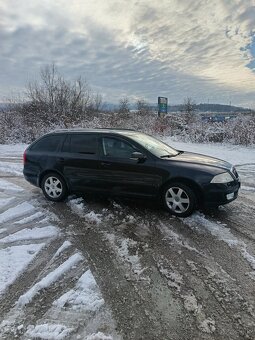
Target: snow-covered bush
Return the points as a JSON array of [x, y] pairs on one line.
[[19, 126]]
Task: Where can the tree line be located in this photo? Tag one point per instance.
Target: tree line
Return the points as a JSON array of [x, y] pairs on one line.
[[52, 102]]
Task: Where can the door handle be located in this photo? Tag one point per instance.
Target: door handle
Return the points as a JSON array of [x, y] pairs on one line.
[[61, 160], [105, 163]]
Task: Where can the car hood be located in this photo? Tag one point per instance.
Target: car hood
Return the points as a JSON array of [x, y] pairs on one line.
[[196, 158]]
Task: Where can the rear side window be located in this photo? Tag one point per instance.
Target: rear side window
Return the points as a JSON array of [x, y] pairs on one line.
[[85, 144], [49, 144]]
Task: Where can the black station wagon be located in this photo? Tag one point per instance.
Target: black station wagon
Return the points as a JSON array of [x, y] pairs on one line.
[[128, 163]]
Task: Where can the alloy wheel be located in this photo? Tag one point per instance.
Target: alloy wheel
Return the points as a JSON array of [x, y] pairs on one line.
[[177, 200], [53, 187]]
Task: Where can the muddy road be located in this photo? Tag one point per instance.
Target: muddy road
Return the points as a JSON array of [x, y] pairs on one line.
[[159, 277]]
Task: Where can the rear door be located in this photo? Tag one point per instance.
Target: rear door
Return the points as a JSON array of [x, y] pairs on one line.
[[42, 155], [80, 161], [120, 174]]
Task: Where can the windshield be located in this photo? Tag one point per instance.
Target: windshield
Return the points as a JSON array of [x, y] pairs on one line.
[[153, 145]]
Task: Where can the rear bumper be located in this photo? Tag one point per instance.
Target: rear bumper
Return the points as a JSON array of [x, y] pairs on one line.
[[31, 178], [220, 194]]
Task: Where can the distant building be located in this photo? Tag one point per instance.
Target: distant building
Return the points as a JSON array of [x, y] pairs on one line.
[[217, 117]]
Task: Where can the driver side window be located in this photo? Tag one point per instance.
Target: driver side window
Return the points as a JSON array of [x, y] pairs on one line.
[[114, 147]]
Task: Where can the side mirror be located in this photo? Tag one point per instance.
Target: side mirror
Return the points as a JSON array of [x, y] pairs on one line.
[[138, 156]]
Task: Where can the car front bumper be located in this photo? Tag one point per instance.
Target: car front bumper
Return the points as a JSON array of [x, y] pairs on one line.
[[219, 194]]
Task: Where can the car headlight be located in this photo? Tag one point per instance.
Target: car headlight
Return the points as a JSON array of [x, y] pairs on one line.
[[225, 177]]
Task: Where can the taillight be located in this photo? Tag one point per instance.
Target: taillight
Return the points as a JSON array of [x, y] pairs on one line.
[[24, 157]]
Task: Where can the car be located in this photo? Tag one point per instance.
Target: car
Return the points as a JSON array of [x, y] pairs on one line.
[[123, 162]]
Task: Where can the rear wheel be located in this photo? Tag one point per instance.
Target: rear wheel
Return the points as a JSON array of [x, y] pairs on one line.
[[54, 187], [179, 199]]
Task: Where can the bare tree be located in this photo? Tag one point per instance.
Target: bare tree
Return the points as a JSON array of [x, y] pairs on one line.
[[142, 107], [55, 99], [189, 106], [97, 102], [124, 105]]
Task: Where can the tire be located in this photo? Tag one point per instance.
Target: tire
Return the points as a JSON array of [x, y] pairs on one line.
[[179, 199], [54, 187]]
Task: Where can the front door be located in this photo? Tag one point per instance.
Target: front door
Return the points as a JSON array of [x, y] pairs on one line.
[[122, 175]]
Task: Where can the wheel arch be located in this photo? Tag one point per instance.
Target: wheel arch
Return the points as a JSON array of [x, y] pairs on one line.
[[188, 182], [48, 171]]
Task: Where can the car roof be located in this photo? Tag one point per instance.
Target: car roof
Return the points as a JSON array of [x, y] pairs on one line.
[[98, 130]]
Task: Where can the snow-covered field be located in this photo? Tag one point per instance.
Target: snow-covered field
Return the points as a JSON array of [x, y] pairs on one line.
[[235, 154], [98, 269]]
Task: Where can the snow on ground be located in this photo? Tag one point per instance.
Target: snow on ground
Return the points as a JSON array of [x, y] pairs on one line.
[[92, 217], [34, 233], [29, 218], [14, 165], [48, 331], [12, 150], [84, 296], [98, 336], [50, 279], [61, 249], [17, 211], [234, 154], [222, 233], [11, 168], [59, 332], [173, 236], [207, 325], [216, 229], [133, 260], [247, 188], [5, 201], [14, 261], [175, 279], [30, 223], [10, 187], [78, 206]]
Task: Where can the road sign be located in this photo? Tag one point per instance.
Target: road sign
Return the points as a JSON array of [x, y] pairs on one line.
[[162, 106]]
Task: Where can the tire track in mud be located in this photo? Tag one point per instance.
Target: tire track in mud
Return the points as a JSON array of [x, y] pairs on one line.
[[239, 217], [176, 260], [42, 302], [189, 284], [212, 298], [219, 301], [12, 224], [210, 259], [29, 276], [42, 265], [133, 307]]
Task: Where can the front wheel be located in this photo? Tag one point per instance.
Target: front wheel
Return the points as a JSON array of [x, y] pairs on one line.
[[179, 199], [54, 187]]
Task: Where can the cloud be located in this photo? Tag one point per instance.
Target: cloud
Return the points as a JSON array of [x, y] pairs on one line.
[[147, 48]]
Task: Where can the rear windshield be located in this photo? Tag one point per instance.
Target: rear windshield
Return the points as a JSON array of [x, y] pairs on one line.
[[48, 143]]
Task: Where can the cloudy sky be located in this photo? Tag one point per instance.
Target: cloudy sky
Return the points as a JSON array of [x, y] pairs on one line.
[[204, 49]]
